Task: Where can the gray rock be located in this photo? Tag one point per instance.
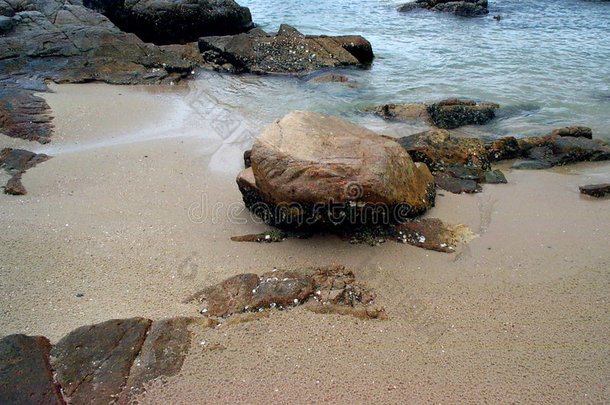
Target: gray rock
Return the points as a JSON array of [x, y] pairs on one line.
[[464, 8], [532, 165]]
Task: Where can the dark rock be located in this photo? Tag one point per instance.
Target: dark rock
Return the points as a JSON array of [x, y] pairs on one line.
[[569, 150], [539, 153], [454, 113], [14, 185], [92, 362], [247, 162], [532, 165], [456, 185], [576, 132], [596, 190], [168, 22], [6, 24], [464, 8], [433, 234], [495, 177], [437, 149], [503, 148], [26, 377], [287, 52], [304, 174], [20, 159], [333, 286]]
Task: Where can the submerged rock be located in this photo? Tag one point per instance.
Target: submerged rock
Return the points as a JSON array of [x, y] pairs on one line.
[[596, 190], [314, 170], [576, 132], [287, 52], [433, 234], [464, 8], [26, 376], [448, 114], [334, 288], [178, 21]]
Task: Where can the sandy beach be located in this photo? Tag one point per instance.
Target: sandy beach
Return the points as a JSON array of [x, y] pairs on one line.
[[135, 211]]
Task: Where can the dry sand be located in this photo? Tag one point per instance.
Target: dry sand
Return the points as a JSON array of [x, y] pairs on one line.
[[135, 212]]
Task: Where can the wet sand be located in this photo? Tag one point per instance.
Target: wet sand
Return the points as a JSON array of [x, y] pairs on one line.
[[135, 211]]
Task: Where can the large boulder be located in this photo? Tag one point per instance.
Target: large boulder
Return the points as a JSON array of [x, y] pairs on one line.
[[310, 169], [464, 8], [175, 21], [287, 52]]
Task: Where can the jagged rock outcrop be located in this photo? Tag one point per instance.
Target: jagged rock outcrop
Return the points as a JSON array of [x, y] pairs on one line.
[[464, 8], [16, 162], [287, 52], [314, 170]]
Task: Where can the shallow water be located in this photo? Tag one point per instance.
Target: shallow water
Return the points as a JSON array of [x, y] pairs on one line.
[[546, 63]]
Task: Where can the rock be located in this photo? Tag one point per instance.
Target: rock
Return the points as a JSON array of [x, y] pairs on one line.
[[162, 354], [180, 21], [314, 170], [333, 78], [448, 114], [92, 362], [454, 113], [26, 377], [6, 24], [464, 8], [495, 177], [273, 236], [287, 52], [250, 293], [532, 165], [433, 234], [437, 149], [68, 42], [596, 190], [503, 148], [576, 132], [20, 159], [403, 112], [569, 150], [14, 185], [247, 162], [455, 184]]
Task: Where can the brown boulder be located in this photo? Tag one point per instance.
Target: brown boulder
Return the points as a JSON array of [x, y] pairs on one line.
[[308, 162], [433, 234], [26, 377], [438, 149], [92, 362]]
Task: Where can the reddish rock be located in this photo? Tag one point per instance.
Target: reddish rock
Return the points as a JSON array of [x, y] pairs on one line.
[[503, 148], [19, 159], [437, 149], [26, 377], [14, 185], [92, 362], [310, 164], [433, 234], [328, 286]]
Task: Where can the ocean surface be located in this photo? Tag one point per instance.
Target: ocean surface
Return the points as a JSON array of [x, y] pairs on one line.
[[546, 62]]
